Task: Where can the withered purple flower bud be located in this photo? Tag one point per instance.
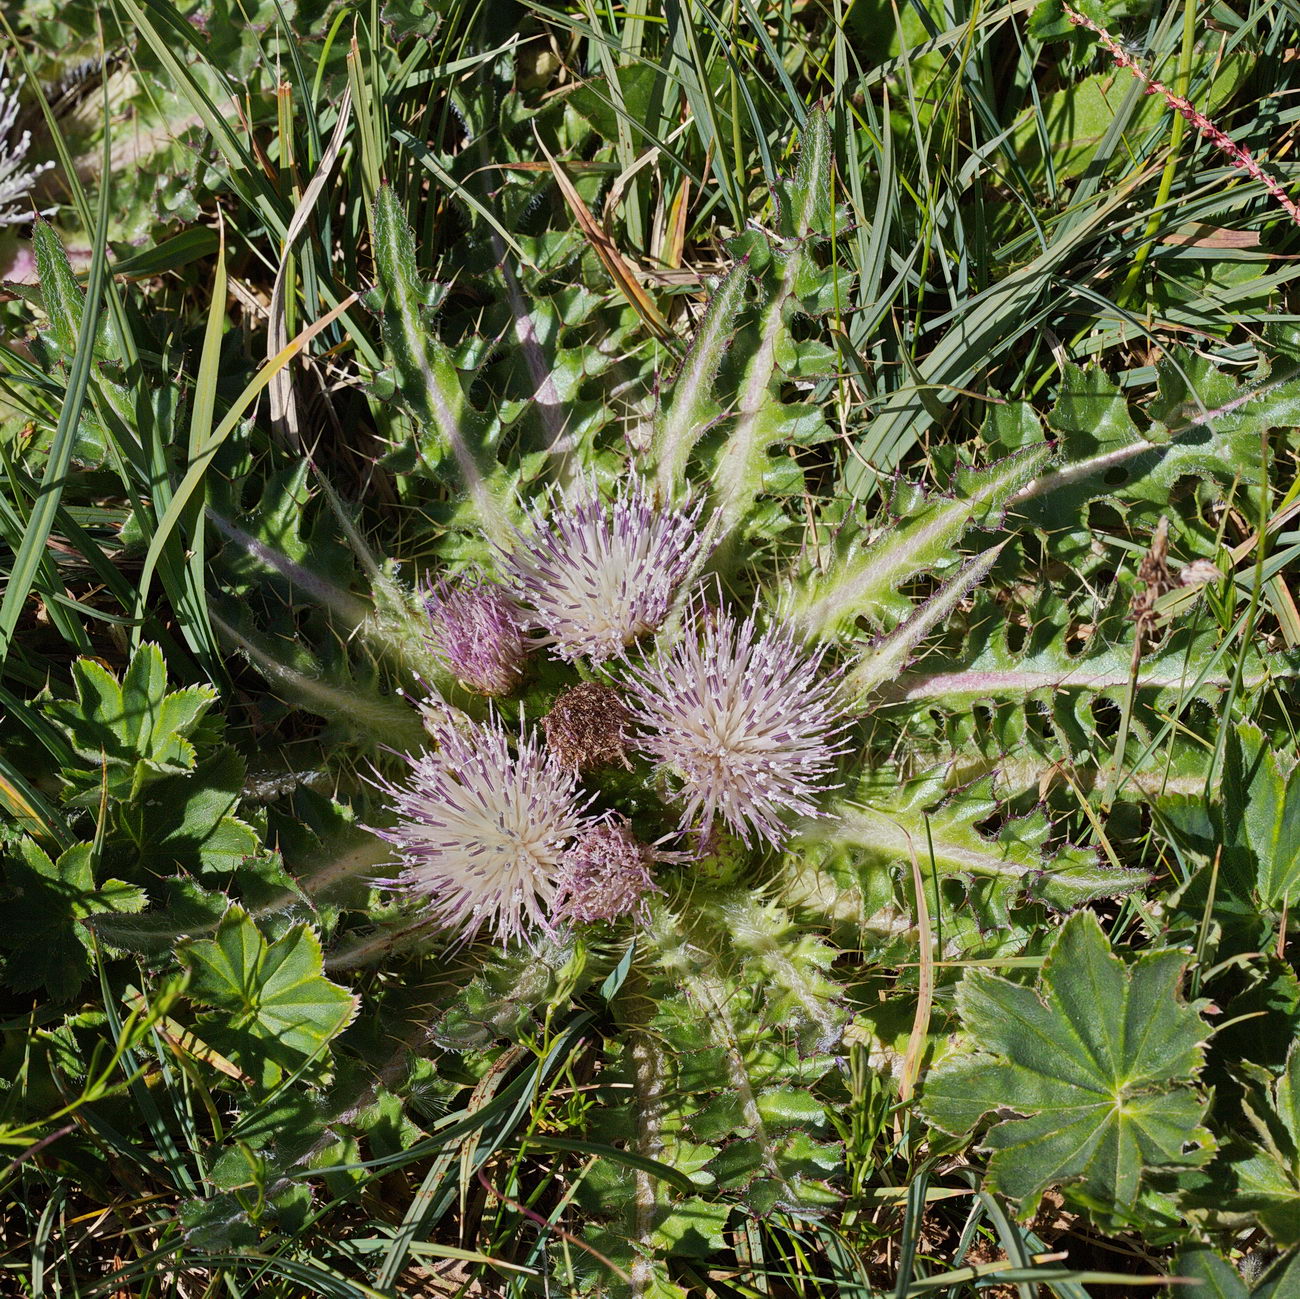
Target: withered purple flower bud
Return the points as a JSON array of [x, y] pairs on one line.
[[606, 874]]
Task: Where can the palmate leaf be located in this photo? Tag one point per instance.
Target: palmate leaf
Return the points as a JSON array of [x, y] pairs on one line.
[[43, 903], [129, 732], [276, 1010], [186, 823], [1253, 825], [1100, 1061]]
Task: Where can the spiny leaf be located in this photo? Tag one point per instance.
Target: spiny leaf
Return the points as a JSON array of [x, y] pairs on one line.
[[428, 378], [1186, 664], [689, 406], [1205, 423], [862, 579], [806, 207], [941, 829], [1100, 1060], [276, 1008], [891, 653]]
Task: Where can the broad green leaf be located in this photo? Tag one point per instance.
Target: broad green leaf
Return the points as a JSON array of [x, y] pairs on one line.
[[1261, 808], [128, 733], [1100, 1062], [186, 823], [1217, 1277], [41, 911], [276, 1009]]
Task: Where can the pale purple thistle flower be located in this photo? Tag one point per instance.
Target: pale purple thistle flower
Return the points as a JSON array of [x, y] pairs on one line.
[[16, 176], [606, 874], [601, 576], [476, 632], [482, 831], [744, 721]]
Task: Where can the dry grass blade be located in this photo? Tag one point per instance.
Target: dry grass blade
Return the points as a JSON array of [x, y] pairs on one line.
[[620, 270]]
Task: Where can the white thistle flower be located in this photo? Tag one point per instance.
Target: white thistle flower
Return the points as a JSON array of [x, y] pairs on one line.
[[16, 178], [602, 576], [744, 722], [482, 830]]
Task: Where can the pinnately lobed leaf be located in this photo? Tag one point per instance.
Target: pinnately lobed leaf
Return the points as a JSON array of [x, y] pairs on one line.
[[1099, 1063]]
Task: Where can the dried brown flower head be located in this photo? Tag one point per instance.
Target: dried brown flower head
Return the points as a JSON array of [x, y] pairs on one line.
[[587, 727]]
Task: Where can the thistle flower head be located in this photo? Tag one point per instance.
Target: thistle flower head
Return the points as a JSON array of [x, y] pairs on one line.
[[606, 874], [476, 632], [481, 830], [744, 721], [16, 178], [587, 726], [601, 576]]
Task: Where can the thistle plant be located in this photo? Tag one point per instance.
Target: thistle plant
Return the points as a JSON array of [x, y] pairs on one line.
[[17, 176], [746, 723], [476, 632], [605, 874], [482, 829]]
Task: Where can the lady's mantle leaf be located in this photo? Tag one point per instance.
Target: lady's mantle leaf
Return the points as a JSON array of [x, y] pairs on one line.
[[1098, 1063], [130, 732], [1266, 1174], [42, 904], [277, 1009]]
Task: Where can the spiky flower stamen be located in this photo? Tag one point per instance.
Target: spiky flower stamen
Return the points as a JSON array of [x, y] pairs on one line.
[[16, 176], [482, 830], [601, 576], [477, 633], [745, 722]]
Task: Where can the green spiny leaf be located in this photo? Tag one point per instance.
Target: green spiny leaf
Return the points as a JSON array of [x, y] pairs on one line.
[[862, 579], [689, 406], [428, 378]]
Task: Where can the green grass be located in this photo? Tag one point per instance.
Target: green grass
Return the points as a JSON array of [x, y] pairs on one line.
[[940, 316]]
